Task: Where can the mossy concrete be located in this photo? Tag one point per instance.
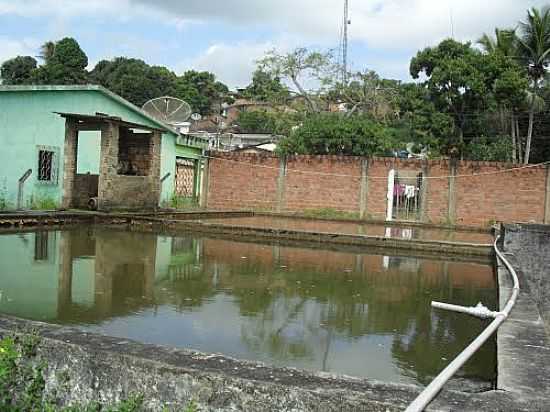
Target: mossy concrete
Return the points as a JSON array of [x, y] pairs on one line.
[[83, 367]]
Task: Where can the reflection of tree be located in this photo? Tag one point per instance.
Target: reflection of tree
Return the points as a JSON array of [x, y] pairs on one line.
[[356, 304], [272, 331], [299, 311]]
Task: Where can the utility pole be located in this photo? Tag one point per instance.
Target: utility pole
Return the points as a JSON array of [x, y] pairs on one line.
[[345, 42]]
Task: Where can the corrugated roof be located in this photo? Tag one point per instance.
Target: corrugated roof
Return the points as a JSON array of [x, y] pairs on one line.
[[89, 87]]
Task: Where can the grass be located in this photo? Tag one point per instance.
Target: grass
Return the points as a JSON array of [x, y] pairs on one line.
[[43, 203], [22, 384], [183, 203]]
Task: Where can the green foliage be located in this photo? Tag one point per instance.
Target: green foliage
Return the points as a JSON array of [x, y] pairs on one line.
[[67, 65], [202, 91], [296, 65], [18, 70], [266, 87], [329, 133], [4, 203], [265, 121], [22, 383], [138, 82], [133, 79], [43, 203], [192, 407], [21, 380], [182, 202], [420, 122], [462, 81], [482, 149]]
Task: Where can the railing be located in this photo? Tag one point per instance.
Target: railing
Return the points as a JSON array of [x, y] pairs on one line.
[[431, 391]]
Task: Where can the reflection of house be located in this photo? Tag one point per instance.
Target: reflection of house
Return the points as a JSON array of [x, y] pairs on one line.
[[82, 142]]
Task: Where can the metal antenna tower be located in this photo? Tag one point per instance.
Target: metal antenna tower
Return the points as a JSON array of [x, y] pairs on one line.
[[345, 42]]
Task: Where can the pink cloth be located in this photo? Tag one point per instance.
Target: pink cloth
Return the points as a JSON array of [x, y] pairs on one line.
[[398, 190]]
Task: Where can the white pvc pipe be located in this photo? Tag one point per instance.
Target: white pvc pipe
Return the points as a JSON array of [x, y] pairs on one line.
[[479, 311], [431, 391], [391, 182]]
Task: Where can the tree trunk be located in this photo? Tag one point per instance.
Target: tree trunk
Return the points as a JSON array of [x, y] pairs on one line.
[[531, 121], [312, 105]]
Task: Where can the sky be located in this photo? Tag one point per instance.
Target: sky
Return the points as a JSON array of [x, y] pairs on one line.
[[226, 37]]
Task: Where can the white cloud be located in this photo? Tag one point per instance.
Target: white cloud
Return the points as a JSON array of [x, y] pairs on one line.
[[10, 48], [395, 24], [231, 63], [392, 29]]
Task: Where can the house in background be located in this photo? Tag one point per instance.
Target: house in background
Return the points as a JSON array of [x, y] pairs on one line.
[[63, 145]]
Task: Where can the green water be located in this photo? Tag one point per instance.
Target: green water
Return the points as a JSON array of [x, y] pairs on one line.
[[347, 313]]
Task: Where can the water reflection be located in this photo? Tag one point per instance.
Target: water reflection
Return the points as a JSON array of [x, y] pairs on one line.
[[358, 314]]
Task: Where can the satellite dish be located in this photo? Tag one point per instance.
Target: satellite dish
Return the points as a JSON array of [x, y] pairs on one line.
[[196, 117], [168, 109]]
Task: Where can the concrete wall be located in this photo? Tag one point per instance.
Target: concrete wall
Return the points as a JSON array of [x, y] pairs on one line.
[[27, 120], [469, 193]]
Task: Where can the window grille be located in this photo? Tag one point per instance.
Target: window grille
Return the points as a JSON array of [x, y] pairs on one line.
[[47, 164], [185, 177]]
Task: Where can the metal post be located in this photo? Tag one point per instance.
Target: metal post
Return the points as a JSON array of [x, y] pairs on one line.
[[20, 185]]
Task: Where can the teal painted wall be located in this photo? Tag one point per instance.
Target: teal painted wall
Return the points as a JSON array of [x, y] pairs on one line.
[[27, 120]]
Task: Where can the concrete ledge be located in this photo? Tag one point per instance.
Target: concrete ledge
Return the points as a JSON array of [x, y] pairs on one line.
[[523, 343], [187, 221], [399, 223], [83, 367], [443, 247]]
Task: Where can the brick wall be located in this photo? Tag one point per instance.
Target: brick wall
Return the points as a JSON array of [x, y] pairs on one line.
[[479, 192]]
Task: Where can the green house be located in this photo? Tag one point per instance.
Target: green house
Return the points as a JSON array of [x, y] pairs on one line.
[[65, 145]]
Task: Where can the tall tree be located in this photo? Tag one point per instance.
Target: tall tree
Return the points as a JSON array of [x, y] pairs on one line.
[[266, 87], [366, 92], [18, 70], [504, 42], [534, 48], [202, 91], [67, 65], [134, 79], [298, 65], [510, 88], [460, 82], [47, 51]]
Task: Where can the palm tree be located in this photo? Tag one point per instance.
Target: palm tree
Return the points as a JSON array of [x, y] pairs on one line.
[[47, 50], [504, 42], [534, 51]]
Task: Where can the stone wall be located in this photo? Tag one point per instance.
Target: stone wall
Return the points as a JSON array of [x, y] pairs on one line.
[[453, 192]]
